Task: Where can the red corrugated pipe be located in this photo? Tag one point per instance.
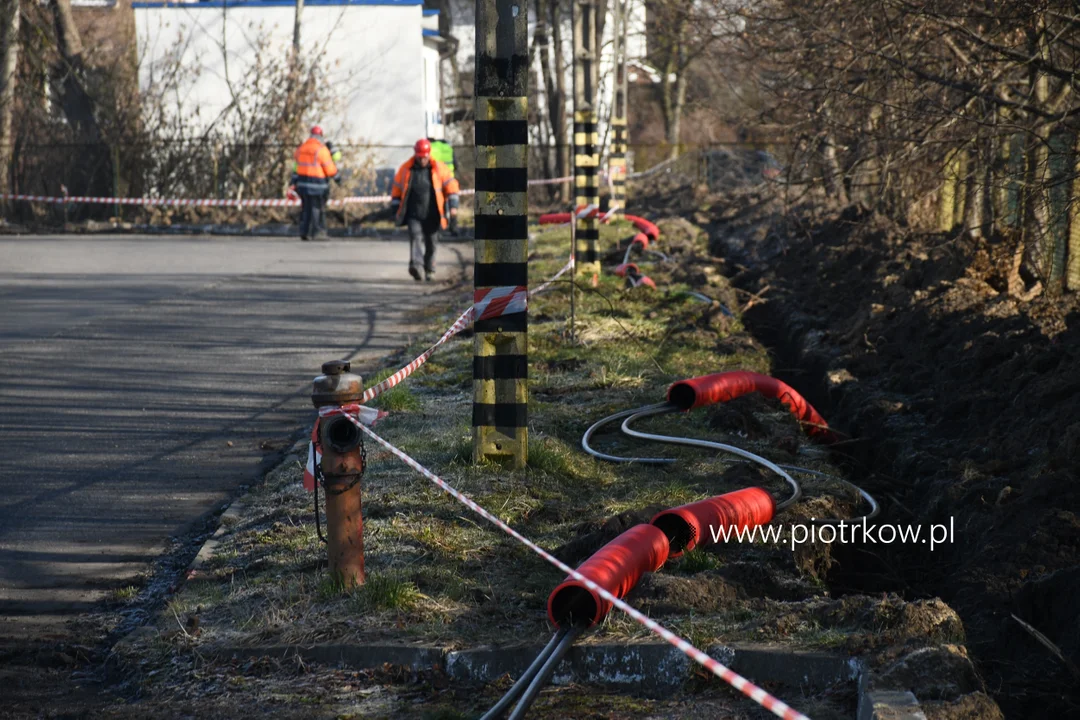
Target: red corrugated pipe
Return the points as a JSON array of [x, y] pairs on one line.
[[644, 226], [627, 268], [722, 387], [699, 524], [642, 239], [616, 567]]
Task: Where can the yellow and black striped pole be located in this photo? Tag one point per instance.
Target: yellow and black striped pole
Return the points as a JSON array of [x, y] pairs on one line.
[[500, 355], [586, 138]]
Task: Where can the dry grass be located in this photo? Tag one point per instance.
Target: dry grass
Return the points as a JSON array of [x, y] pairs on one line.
[[438, 574]]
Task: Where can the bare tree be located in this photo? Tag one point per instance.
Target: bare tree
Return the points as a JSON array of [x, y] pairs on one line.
[[78, 105], [9, 51]]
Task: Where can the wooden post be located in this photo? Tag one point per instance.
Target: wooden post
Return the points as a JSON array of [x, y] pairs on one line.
[[586, 152], [500, 355]]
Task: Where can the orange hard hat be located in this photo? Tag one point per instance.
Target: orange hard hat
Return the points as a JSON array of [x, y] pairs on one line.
[[317, 130], [422, 148]]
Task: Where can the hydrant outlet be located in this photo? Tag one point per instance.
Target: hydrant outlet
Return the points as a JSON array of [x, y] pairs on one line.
[[342, 434]]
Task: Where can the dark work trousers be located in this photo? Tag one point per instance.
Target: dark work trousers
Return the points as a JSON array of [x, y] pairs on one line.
[[312, 213], [424, 237]]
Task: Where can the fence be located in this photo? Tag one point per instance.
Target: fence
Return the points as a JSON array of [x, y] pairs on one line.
[[193, 169]]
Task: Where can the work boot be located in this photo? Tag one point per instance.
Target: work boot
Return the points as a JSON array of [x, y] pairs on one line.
[[429, 275], [304, 238], [415, 273]]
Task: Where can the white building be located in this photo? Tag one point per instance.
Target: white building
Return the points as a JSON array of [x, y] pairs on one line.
[[383, 58]]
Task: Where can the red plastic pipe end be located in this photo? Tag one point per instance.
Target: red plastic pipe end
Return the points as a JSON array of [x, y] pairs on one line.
[[644, 226], [616, 567], [642, 239], [722, 387], [627, 269], [702, 523]]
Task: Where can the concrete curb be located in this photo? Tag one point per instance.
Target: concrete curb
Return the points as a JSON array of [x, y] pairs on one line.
[[645, 668]]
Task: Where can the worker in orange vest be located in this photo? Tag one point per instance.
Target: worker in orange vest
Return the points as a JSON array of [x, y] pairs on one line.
[[423, 195], [315, 169]]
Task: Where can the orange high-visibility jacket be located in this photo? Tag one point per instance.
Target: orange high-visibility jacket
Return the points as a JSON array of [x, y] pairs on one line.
[[313, 161], [446, 188]]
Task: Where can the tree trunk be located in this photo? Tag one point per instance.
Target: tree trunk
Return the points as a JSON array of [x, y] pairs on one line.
[[950, 185], [1072, 268], [296, 30], [9, 44], [77, 104], [1039, 233], [974, 207], [557, 106], [675, 137], [834, 177]]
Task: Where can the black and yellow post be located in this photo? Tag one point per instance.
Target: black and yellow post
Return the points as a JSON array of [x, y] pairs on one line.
[[500, 355], [586, 138]]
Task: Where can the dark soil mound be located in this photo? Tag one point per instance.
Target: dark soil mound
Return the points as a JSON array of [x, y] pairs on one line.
[[964, 407]]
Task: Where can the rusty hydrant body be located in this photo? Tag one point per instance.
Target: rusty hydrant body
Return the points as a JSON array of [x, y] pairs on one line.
[[342, 467]]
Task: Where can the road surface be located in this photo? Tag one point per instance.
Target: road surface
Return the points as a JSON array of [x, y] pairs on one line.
[[143, 380]]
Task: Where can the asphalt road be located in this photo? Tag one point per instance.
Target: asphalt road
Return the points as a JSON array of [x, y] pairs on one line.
[[143, 379]]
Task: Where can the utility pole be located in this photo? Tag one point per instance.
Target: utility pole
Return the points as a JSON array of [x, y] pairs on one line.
[[500, 353], [586, 140], [617, 153]]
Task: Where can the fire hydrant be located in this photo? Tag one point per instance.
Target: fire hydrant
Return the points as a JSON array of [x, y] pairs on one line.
[[341, 468]]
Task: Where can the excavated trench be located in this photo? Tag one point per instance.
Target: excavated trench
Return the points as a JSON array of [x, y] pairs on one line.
[[938, 444], [858, 568]]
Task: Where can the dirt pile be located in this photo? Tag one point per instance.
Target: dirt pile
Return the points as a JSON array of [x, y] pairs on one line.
[[961, 402]]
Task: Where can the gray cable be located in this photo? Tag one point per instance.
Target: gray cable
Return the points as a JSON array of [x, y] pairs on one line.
[[545, 672], [658, 408], [523, 682], [615, 458], [667, 408], [874, 507]]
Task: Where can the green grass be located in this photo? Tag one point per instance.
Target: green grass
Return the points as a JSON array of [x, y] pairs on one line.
[[399, 398], [124, 594], [385, 592], [697, 561], [447, 575]]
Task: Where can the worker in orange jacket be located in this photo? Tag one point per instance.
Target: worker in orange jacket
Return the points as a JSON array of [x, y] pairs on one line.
[[315, 169], [424, 194]]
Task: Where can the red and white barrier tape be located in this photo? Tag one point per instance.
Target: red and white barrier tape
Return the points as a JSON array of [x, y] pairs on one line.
[[552, 181], [219, 202], [276, 202], [460, 324], [370, 416], [545, 285], [758, 695], [498, 301], [183, 202]]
